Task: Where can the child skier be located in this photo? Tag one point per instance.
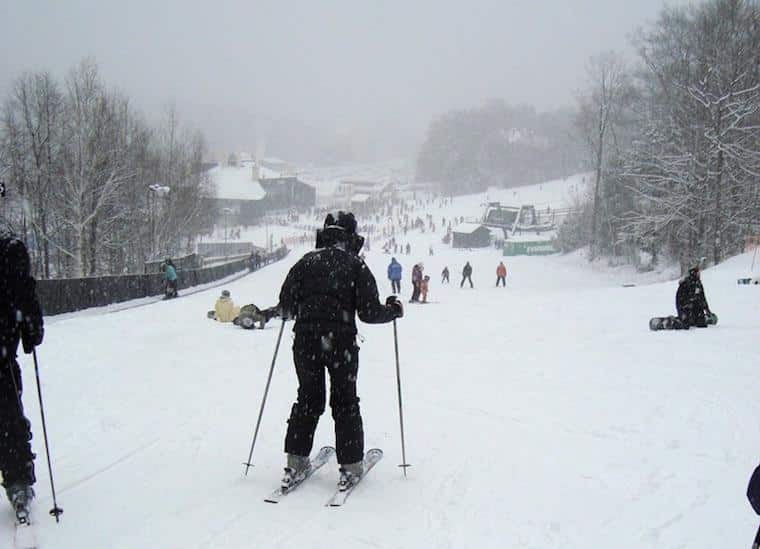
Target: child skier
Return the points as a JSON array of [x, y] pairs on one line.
[[424, 285]]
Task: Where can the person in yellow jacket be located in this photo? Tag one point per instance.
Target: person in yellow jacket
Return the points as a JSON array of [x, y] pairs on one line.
[[224, 309]]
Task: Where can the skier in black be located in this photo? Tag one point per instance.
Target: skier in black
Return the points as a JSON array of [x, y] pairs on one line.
[[20, 319], [691, 302], [323, 292], [466, 275]]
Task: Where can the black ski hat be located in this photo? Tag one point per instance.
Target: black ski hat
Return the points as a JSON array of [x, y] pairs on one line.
[[340, 229]]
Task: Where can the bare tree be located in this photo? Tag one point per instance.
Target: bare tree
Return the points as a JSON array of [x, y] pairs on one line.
[[601, 110]]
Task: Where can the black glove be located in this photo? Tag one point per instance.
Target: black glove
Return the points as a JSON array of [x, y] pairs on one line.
[[753, 490], [32, 333], [394, 303]]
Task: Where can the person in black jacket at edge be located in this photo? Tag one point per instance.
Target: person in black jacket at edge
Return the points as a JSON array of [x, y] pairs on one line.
[[20, 318], [691, 302], [323, 292]]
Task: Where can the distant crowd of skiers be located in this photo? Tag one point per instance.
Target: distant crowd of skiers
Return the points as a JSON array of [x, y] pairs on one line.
[[421, 281]]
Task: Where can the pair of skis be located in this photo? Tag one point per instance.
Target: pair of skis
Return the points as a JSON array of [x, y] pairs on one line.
[[343, 491]]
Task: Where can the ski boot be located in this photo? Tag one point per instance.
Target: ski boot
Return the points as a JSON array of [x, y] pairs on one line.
[[350, 474], [296, 471], [21, 496]]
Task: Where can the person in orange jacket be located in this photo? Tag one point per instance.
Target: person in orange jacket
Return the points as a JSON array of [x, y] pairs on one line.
[[501, 274], [424, 285]]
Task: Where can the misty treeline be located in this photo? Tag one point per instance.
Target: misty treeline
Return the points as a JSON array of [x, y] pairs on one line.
[[94, 188], [674, 139], [499, 145]]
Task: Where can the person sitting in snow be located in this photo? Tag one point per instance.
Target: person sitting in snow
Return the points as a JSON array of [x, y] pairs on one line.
[[691, 302], [250, 315], [224, 309], [424, 285]]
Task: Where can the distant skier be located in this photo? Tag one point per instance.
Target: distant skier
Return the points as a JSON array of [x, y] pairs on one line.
[[501, 274], [424, 286], [466, 275], [394, 275], [445, 275], [324, 291], [170, 277], [408, 249], [416, 279], [691, 302], [20, 318]]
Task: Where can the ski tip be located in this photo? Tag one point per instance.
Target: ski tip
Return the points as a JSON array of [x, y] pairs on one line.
[[375, 452]]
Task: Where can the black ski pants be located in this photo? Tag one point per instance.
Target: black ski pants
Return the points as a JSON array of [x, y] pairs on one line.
[[467, 278], [16, 457], [339, 355], [502, 279], [396, 286]]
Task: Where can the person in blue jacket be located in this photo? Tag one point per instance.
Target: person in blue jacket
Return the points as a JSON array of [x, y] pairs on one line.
[[394, 275]]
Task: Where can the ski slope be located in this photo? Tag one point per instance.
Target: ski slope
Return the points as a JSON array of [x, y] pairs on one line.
[[545, 414]]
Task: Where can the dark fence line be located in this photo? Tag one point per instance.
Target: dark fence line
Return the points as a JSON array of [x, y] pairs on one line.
[[220, 249], [74, 294], [190, 261]]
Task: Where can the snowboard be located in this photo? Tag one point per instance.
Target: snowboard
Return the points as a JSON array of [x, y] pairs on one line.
[[675, 323]]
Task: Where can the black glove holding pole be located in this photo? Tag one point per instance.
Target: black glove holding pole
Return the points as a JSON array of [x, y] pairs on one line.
[[394, 303]]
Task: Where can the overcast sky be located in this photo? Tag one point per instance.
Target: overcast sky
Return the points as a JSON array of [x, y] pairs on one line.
[[338, 64]]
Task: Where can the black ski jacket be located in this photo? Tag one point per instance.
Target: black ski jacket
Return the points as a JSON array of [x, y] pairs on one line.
[[691, 293], [20, 312], [327, 288]]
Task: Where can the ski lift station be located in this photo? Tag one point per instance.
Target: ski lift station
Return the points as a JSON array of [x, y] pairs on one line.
[[527, 230]]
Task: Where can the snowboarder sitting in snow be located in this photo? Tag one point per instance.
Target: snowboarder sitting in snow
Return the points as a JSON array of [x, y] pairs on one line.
[[691, 302], [424, 285], [250, 315], [324, 291], [224, 308]]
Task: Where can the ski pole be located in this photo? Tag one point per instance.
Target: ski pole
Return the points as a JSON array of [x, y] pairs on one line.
[[404, 464], [248, 463], [55, 511]]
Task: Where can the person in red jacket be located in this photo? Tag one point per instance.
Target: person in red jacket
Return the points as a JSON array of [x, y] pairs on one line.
[[501, 274]]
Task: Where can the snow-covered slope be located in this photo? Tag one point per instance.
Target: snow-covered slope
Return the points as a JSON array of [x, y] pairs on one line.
[[545, 414]]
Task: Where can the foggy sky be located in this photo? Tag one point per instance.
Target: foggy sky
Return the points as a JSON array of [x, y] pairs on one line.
[[235, 67]]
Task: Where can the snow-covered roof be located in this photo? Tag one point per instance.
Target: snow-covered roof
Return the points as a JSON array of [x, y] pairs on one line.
[[360, 197], [233, 183], [266, 173], [467, 228]]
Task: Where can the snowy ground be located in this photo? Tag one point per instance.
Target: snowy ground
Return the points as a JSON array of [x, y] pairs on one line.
[[541, 415]]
